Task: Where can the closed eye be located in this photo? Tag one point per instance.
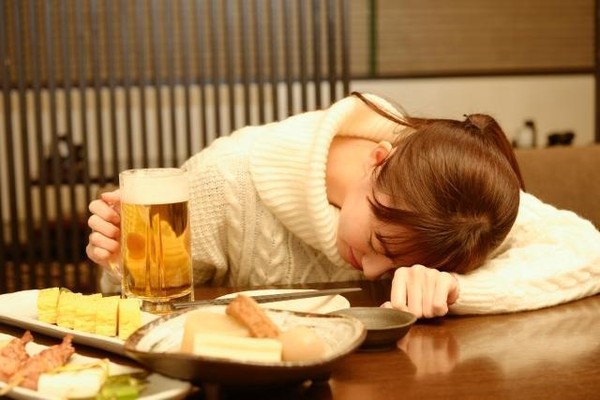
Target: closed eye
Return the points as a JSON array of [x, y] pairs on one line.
[[370, 243], [378, 246]]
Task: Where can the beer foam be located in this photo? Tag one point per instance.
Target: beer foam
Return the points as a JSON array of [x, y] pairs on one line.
[[154, 186]]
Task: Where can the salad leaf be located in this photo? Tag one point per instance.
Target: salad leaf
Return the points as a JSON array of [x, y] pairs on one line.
[[123, 387]]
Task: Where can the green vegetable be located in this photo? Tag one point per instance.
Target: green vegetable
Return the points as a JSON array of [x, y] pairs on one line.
[[123, 387]]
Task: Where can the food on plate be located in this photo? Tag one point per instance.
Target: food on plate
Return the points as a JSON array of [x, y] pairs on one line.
[[85, 313], [247, 311], [107, 313], [93, 313], [76, 384], [13, 354], [67, 303], [15, 348], [246, 333], [46, 360], [201, 321], [47, 303], [211, 334], [127, 386], [51, 372], [130, 317], [29, 369], [8, 367], [301, 343], [237, 347]]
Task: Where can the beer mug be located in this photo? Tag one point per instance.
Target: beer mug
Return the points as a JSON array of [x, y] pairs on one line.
[[155, 237]]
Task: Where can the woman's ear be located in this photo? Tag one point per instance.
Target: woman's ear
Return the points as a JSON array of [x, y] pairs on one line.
[[380, 153]]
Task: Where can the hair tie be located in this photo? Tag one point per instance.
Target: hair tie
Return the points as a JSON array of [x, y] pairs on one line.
[[469, 122]]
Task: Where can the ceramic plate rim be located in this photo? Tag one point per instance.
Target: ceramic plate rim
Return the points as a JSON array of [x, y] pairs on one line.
[[411, 317], [335, 303]]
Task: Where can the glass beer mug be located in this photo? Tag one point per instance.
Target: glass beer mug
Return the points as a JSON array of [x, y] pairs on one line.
[[155, 237]]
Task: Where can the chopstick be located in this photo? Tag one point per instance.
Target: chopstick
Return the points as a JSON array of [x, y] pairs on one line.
[[265, 298]]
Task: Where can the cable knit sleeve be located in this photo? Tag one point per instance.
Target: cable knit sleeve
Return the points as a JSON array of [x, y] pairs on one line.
[[218, 181], [550, 257], [206, 216]]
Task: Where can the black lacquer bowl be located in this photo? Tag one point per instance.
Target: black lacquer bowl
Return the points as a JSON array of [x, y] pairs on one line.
[[385, 326], [156, 346]]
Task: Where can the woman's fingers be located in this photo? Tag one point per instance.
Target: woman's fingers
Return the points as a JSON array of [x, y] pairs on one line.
[[105, 211], [113, 199], [398, 298], [446, 292], [423, 291], [454, 289], [98, 254], [429, 292], [104, 222], [415, 291], [101, 241], [99, 225]]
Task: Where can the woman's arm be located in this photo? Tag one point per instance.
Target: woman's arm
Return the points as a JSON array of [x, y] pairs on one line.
[[550, 257]]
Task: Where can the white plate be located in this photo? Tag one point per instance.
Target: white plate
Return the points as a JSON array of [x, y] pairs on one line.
[[316, 305], [158, 387], [20, 309]]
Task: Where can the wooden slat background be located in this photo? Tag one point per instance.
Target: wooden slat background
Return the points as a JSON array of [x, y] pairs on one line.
[[472, 37], [92, 87]]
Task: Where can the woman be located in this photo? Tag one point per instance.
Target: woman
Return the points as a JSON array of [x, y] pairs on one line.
[[359, 191]]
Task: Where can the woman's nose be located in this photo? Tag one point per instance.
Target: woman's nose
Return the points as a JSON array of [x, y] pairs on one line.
[[375, 265]]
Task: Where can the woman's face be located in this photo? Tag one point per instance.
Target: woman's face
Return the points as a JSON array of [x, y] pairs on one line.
[[356, 240]]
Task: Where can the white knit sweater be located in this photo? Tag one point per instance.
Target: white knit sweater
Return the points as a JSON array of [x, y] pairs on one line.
[[549, 257], [260, 215], [259, 209]]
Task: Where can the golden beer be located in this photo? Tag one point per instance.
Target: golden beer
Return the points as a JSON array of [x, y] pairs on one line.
[[155, 237]]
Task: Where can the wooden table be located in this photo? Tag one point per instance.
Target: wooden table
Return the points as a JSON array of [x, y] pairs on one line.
[[546, 354]]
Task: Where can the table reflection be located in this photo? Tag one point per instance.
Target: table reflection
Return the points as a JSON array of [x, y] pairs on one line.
[[431, 351], [549, 353], [515, 344]]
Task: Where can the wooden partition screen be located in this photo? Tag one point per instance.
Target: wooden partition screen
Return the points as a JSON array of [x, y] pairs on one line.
[[92, 87]]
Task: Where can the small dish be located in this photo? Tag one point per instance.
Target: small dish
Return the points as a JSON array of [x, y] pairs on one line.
[[156, 346], [385, 326]]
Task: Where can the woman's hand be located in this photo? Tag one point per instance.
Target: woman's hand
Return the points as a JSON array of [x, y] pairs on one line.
[[422, 291], [104, 241]]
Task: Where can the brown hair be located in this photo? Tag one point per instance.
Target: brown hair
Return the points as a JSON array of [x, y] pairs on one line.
[[453, 188]]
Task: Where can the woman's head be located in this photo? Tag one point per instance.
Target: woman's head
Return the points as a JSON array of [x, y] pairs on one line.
[[447, 195]]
